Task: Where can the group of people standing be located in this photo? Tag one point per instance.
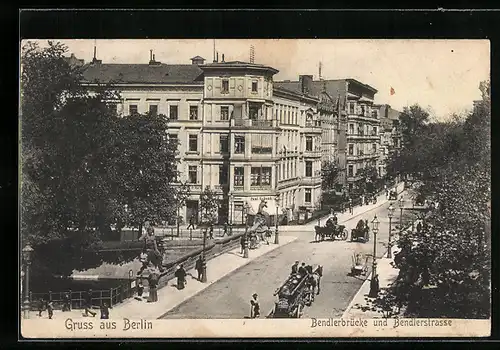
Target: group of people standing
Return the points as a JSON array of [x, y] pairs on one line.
[[87, 299]]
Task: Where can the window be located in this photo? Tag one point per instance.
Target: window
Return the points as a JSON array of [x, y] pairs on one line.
[[132, 109], [363, 108], [153, 109], [193, 112], [309, 169], [260, 176], [223, 174], [374, 148], [351, 149], [224, 113], [239, 144], [374, 131], [224, 143], [253, 112], [308, 195], [309, 143], [254, 86], [351, 129], [193, 143], [173, 112], [174, 139], [193, 174], [239, 176], [262, 144], [350, 170], [352, 107], [225, 86]]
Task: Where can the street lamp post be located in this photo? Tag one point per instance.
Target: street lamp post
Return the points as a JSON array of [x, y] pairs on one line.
[[401, 203], [390, 214], [276, 234], [245, 246], [27, 251], [203, 260], [374, 283]]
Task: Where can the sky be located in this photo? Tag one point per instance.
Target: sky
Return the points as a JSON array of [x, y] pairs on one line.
[[441, 75]]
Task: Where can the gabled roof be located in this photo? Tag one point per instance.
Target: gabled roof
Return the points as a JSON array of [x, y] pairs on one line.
[[197, 58], [143, 73]]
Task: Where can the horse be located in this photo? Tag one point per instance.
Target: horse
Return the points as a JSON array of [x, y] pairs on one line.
[[315, 279]]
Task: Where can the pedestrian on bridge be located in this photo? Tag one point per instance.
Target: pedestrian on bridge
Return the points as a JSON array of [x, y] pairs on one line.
[[181, 277], [191, 222], [104, 311], [66, 302], [199, 267], [50, 309], [87, 299], [295, 267]]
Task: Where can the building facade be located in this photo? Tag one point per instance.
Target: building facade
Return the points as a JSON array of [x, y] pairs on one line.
[[236, 133], [390, 135]]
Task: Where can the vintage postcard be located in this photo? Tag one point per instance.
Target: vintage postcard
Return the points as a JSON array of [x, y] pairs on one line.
[[255, 188]]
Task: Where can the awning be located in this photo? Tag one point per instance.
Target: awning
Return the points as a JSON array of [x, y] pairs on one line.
[[254, 203]]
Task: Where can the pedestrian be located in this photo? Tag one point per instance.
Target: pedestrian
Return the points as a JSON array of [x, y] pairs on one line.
[[243, 242], [50, 309], [191, 222], [41, 306], [181, 277], [295, 267], [254, 306], [87, 299], [199, 267], [211, 232], [153, 285], [302, 269], [350, 206], [104, 311], [140, 289], [66, 302], [225, 230]]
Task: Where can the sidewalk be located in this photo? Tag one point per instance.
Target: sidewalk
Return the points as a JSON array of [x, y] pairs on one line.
[[169, 296], [360, 306]]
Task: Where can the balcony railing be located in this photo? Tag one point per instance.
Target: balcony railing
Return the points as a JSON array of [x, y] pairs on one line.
[[256, 123]]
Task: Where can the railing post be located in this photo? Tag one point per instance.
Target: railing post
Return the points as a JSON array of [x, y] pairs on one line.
[[50, 295], [70, 300], [100, 298], [190, 234], [80, 300], [111, 297]]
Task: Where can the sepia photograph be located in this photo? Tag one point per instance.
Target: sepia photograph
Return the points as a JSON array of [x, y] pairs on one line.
[[209, 188]]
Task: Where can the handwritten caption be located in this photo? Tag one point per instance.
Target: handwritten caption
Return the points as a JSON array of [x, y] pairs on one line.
[[395, 323]]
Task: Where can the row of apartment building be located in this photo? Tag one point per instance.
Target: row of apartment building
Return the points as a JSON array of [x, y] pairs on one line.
[[248, 137]]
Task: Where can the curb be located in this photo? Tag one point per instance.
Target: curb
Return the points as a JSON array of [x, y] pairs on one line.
[[248, 261]]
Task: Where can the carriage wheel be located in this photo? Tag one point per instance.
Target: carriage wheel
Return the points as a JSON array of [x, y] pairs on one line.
[[345, 234]]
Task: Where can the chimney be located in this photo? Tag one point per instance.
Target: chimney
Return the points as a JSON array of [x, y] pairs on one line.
[[305, 82], [217, 59], [152, 61], [222, 58]]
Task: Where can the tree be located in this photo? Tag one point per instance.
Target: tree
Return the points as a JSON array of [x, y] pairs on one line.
[[445, 270], [85, 170], [209, 203], [329, 174]]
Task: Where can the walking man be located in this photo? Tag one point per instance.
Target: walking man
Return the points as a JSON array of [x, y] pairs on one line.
[[254, 306], [50, 309], [88, 303], [295, 267], [243, 243], [41, 306], [191, 222], [153, 285], [66, 302], [199, 267], [181, 277], [350, 206]]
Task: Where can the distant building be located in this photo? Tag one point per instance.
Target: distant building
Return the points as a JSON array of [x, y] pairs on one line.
[[357, 130], [390, 134]]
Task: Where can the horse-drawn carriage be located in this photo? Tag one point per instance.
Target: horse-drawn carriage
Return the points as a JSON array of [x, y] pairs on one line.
[[331, 230], [297, 291], [361, 233]]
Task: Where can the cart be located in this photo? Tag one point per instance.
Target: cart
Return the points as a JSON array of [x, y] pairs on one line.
[[332, 232], [359, 264], [361, 233]]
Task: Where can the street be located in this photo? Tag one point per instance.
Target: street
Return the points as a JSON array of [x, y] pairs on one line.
[[230, 296]]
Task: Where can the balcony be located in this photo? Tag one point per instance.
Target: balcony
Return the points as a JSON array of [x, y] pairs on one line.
[[310, 181], [362, 136], [312, 154], [254, 123]]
